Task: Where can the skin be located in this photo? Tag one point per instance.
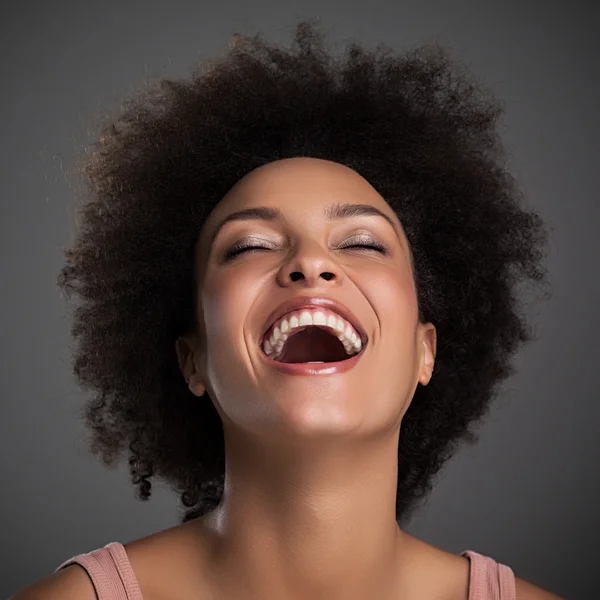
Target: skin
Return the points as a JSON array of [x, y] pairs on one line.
[[308, 508], [309, 502]]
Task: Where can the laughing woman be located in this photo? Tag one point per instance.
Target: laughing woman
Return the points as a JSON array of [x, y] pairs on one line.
[[296, 295]]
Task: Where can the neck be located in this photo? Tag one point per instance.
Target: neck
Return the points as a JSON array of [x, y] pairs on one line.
[[310, 519]]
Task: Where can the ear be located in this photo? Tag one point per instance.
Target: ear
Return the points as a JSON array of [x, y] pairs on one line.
[[428, 344], [185, 347]]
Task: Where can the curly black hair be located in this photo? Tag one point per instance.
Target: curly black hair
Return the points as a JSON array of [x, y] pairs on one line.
[[416, 125]]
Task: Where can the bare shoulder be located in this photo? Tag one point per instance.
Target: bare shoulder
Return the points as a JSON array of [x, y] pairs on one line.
[[454, 571], [70, 583], [165, 565], [525, 590], [170, 563]]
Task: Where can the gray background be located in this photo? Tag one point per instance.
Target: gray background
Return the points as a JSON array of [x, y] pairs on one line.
[[528, 494]]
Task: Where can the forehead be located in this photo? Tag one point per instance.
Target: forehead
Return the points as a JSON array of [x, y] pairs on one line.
[[296, 186]]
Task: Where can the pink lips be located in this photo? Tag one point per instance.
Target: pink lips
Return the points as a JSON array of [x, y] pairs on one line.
[[326, 368]]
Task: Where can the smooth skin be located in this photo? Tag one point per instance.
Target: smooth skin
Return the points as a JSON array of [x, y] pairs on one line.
[[308, 509]]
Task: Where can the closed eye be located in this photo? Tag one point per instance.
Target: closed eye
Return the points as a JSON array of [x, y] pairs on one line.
[[375, 247], [240, 249], [367, 246], [244, 248]]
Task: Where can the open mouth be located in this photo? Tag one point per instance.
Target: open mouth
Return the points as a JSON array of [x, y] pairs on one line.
[[312, 337]]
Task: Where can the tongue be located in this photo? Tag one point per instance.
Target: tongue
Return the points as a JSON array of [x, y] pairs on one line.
[[312, 345]]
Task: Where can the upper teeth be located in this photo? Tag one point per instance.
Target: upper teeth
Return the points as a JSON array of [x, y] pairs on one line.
[[285, 326]]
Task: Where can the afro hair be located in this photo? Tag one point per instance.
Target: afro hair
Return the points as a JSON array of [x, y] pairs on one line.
[[416, 125]]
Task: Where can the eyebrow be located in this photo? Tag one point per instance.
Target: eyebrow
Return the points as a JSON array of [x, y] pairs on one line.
[[335, 211]]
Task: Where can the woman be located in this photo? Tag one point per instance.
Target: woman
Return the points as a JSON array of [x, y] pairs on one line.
[[296, 280]]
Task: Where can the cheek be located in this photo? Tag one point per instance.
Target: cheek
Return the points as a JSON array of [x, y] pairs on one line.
[[392, 294], [393, 297], [225, 303]]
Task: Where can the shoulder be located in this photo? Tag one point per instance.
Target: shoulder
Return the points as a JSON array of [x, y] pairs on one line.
[[150, 562], [525, 590], [152, 565], [70, 583], [171, 563], [462, 567], [486, 571]]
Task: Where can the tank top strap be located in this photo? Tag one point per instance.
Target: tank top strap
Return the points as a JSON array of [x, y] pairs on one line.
[[488, 579], [110, 571]]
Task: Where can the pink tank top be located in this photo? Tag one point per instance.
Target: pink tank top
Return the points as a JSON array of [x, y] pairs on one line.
[[113, 578]]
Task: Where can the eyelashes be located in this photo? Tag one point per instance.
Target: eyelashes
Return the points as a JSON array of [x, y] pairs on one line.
[[241, 249], [367, 245], [372, 245]]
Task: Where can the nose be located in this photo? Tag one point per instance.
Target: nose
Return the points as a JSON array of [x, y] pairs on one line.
[[309, 267]]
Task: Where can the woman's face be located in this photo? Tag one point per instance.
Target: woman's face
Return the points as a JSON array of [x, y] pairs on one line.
[[302, 252]]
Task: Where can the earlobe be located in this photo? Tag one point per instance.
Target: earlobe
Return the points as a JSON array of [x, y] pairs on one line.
[[428, 345], [196, 385], [184, 348]]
